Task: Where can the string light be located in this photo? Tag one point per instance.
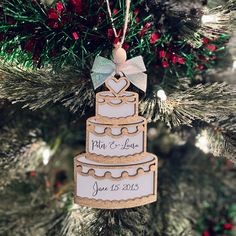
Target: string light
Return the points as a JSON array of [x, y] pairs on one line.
[[162, 95], [202, 142], [152, 133], [234, 65], [209, 19], [46, 154]]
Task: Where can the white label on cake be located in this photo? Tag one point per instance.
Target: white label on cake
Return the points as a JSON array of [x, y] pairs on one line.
[[123, 146], [110, 189], [124, 110]]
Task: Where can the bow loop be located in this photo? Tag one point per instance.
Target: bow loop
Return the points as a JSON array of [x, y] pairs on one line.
[[133, 69]]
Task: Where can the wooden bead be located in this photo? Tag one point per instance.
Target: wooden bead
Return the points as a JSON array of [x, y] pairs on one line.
[[119, 55]]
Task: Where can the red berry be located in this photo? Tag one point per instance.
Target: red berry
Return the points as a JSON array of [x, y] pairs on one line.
[[136, 11], [165, 64], [58, 184], [52, 14], [144, 29], [228, 226], [205, 40], [147, 25], [59, 6], [168, 55], [115, 11], [181, 60], [33, 173], [206, 233], [110, 33], [162, 54], [200, 67], [211, 47], [154, 38], [174, 59], [126, 46], [75, 35]]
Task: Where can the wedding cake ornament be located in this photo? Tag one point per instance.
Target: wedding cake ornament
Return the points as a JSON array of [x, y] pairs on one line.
[[116, 171]]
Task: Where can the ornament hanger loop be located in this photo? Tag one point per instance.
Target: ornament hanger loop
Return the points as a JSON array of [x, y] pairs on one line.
[[119, 44]]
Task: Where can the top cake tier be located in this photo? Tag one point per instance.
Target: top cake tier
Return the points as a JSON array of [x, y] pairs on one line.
[[122, 106]]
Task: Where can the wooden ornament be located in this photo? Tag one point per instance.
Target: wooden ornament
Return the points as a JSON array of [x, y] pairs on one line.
[[116, 171]]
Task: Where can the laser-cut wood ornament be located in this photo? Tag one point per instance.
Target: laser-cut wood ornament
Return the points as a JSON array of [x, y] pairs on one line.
[[116, 171]]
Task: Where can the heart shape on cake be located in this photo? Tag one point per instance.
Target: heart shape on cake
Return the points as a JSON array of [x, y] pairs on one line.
[[117, 85]]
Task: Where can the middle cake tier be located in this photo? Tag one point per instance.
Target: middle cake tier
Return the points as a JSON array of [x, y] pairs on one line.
[[111, 141]]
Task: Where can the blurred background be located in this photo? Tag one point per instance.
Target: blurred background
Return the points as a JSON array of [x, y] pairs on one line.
[[46, 95]]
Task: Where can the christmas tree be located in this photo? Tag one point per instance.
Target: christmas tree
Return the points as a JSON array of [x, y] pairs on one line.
[[48, 48]]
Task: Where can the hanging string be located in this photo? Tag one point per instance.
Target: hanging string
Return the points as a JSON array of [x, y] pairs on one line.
[[125, 23]]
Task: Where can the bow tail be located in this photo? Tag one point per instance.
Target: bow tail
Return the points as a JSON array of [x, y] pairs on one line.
[[99, 78], [139, 80]]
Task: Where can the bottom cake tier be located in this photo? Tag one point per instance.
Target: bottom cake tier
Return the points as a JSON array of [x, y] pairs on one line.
[[114, 186]]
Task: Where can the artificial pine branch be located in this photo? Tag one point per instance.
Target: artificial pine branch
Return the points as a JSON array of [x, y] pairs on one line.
[[221, 136], [36, 89], [73, 222], [204, 102], [223, 19], [210, 104], [124, 222], [184, 104], [185, 17]]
